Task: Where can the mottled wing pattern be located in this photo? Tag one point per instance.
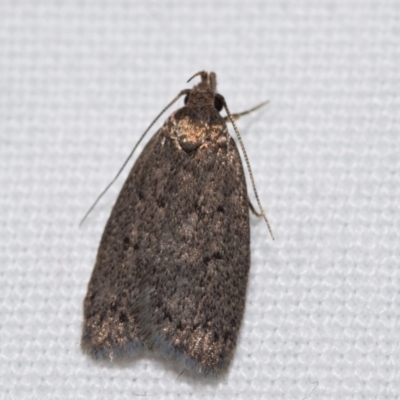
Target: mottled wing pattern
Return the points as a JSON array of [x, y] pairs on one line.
[[110, 328], [172, 267], [196, 275]]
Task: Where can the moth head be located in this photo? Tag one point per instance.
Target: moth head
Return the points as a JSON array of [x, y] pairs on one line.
[[218, 101]]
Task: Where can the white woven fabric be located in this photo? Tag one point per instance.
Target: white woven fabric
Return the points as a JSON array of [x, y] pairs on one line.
[[79, 83]]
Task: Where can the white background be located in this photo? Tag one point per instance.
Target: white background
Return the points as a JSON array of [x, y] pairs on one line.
[[81, 80]]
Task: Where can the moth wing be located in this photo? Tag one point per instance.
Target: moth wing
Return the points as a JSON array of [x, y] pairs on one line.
[[172, 265], [110, 328], [196, 276]]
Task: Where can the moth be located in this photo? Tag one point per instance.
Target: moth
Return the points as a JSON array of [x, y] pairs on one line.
[[173, 262]]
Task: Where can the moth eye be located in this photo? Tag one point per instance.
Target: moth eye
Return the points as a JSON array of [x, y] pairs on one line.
[[185, 100], [218, 103]]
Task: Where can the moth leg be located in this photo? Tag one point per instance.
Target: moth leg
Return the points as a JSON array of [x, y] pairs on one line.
[[236, 116], [253, 210]]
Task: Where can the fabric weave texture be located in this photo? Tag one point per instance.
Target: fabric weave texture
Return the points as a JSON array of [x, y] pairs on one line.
[[81, 80]]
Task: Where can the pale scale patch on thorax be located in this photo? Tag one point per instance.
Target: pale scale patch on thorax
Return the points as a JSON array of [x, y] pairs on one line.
[[190, 135]]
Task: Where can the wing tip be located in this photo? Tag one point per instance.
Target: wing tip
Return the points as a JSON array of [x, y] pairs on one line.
[[110, 351], [184, 360]]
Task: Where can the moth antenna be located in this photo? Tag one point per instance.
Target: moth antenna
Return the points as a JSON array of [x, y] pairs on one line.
[[253, 210], [181, 93], [246, 159]]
